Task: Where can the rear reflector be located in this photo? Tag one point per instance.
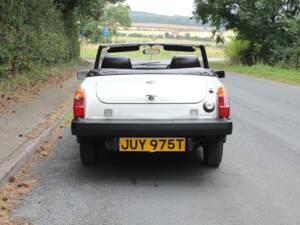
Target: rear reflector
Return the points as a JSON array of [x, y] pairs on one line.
[[79, 105], [223, 103]]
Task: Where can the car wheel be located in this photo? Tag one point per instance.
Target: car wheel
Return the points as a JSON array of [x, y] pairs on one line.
[[213, 153], [88, 150]]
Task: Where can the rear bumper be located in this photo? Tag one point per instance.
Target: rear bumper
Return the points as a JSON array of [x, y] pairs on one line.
[[151, 128]]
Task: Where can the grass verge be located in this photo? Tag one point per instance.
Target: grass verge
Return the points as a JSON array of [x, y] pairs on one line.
[[275, 73], [68, 118], [39, 72]]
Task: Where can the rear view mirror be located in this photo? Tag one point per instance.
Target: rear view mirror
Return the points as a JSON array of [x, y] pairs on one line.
[[81, 75], [151, 51], [220, 74]]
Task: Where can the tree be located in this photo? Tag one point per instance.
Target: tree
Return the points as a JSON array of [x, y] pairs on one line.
[[76, 11], [117, 15], [260, 22], [289, 54], [31, 32], [112, 17], [187, 36]]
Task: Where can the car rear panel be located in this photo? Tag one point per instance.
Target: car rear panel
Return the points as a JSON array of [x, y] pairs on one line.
[[165, 89], [175, 97]]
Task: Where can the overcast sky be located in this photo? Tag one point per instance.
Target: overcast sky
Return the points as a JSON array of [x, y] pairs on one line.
[[163, 7]]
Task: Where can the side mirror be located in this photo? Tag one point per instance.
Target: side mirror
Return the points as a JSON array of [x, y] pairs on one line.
[[220, 74], [81, 75]]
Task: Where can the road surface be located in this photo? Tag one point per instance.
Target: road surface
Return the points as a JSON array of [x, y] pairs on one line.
[[258, 182]]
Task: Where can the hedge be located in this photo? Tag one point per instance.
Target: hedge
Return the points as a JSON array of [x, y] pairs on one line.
[[32, 32]]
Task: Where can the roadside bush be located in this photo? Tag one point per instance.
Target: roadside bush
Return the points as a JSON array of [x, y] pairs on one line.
[[237, 50], [188, 36], [137, 35], [287, 53], [32, 32], [287, 56]]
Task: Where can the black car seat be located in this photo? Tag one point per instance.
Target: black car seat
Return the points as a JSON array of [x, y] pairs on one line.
[[116, 62], [180, 62]]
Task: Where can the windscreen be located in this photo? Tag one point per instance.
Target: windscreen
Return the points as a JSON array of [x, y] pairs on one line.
[[155, 56]]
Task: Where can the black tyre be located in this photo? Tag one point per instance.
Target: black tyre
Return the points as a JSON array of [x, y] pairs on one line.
[[213, 153], [88, 152]]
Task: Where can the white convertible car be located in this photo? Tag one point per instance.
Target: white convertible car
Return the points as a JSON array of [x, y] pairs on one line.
[[151, 97]]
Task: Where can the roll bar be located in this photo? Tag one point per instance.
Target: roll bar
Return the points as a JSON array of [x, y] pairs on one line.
[[136, 46]]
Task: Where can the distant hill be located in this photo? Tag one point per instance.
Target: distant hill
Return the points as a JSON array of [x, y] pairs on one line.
[[145, 17]]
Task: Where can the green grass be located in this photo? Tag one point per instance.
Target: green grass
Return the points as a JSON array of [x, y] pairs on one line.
[[68, 117], [88, 53], [275, 73], [38, 72]]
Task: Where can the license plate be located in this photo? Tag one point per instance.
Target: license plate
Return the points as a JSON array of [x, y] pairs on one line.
[[152, 144]]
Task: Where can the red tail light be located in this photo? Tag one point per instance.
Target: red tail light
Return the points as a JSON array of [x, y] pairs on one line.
[[79, 105], [223, 103]]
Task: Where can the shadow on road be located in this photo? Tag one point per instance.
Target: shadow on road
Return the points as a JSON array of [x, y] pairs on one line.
[[121, 169], [116, 168]]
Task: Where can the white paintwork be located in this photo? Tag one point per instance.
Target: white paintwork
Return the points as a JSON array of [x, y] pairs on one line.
[[176, 96], [135, 89]]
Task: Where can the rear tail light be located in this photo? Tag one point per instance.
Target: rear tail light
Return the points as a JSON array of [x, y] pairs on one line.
[[223, 103], [79, 104]]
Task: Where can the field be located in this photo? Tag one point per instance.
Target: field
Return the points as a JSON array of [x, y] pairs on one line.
[[147, 32], [173, 27], [88, 51], [161, 29], [167, 40]]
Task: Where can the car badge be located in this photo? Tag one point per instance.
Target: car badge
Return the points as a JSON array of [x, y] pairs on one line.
[[151, 97], [150, 82]]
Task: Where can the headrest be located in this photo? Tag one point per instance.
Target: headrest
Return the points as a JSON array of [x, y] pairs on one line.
[[179, 62], [116, 62]]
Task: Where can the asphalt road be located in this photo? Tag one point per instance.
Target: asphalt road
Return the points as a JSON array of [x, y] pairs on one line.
[[258, 182]]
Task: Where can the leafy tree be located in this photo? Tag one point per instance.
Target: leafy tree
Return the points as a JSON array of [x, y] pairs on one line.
[[187, 36], [262, 23], [288, 54], [42, 31], [31, 33], [86, 8], [167, 35], [117, 15], [112, 17], [76, 11]]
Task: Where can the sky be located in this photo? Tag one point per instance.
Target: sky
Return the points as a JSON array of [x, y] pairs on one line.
[[163, 7]]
